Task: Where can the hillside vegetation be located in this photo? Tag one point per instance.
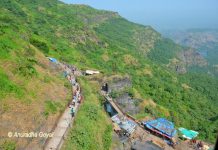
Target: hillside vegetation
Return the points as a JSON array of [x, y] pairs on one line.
[[89, 38]]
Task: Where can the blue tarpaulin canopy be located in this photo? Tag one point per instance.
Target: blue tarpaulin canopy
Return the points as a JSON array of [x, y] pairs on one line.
[[188, 134], [162, 126], [53, 60]]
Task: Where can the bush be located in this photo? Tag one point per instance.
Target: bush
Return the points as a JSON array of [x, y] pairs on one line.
[[67, 84], [30, 52], [107, 137], [5, 47], [26, 67], [92, 112], [27, 70], [7, 86], [150, 110], [8, 145], [51, 107], [41, 45], [114, 94]]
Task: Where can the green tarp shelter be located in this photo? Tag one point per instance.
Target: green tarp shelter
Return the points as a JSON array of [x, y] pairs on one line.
[[188, 134]]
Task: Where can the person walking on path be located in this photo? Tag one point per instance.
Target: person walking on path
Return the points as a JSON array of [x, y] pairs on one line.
[[72, 111]]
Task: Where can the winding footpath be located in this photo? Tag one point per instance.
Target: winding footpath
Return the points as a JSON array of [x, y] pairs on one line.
[[66, 120]]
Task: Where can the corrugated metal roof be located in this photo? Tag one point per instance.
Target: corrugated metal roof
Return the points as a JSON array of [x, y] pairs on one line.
[[162, 125]]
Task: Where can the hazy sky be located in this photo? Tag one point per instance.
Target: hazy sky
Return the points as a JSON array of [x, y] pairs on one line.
[[162, 14]]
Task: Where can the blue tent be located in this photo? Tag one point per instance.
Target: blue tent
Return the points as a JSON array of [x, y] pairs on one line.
[[162, 126], [53, 60]]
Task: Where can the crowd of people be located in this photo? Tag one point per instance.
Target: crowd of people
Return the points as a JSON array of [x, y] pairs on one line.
[[70, 73]]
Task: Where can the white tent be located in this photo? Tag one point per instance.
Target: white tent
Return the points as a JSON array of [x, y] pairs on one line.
[[91, 72]]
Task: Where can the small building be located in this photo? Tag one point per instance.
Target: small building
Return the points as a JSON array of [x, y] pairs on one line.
[[105, 87]]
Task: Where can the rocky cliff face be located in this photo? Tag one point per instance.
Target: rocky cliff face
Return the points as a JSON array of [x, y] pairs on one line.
[[186, 59], [204, 44], [119, 84]]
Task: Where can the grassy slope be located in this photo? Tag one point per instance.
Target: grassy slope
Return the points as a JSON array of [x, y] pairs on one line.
[[29, 88], [103, 40]]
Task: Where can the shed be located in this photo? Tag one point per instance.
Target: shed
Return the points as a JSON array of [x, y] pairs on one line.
[[129, 126]]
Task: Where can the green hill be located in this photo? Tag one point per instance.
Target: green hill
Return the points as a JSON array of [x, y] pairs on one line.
[[90, 38]]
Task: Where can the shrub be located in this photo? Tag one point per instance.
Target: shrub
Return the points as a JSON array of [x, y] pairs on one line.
[[30, 52], [51, 107], [7, 86], [26, 67], [114, 94], [5, 47], [92, 112], [40, 44], [27, 70], [8, 145], [107, 137], [150, 110]]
